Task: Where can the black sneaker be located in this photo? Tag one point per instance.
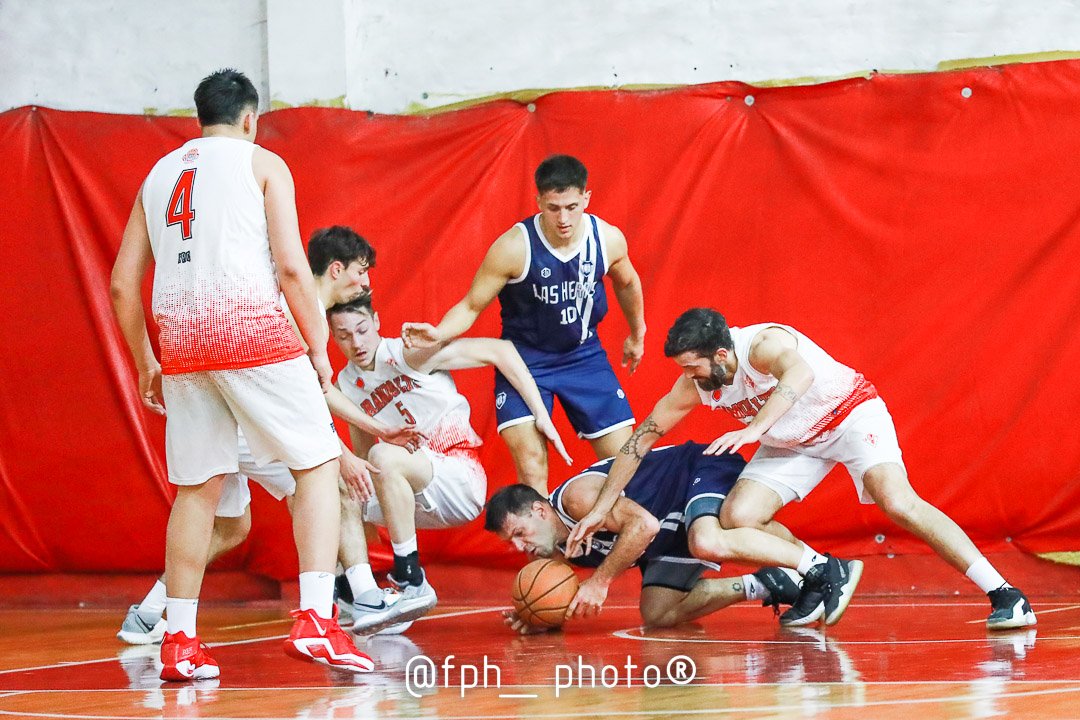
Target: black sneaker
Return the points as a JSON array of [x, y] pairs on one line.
[[843, 576], [783, 590], [1011, 609], [809, 605]]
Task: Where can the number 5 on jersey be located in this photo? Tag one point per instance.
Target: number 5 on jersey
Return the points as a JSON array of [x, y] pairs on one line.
[[179, 211]]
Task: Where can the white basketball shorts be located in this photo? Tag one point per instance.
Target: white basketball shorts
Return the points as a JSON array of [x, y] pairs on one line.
[[279, 407], [275, 478], [454, 496], [866, 437]]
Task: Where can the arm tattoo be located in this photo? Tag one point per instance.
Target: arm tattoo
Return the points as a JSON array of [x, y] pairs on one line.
[[634, 446], [786, 392]]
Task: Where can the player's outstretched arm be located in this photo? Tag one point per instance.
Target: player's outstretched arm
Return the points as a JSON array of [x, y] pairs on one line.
[[294, 274], [673, 407], [482, 352], [132, 262], [504, 261], [627, 285], [634, 527], [773, 351], [342, 407]]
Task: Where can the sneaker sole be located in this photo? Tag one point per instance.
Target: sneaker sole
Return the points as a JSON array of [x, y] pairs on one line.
[[855, 570], [810, 619], [408, 614], [140, 638], [319, 651], [1026, 620]]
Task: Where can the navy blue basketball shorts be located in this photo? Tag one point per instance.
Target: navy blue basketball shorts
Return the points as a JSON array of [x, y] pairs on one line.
[[581, 379]]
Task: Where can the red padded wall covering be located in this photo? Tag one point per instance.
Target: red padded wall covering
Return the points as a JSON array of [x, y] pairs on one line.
[[927, 239]]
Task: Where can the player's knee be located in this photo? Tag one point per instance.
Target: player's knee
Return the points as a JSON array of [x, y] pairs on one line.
[[656, 617], [707, 543], [902, 507], [531, 463], [232, 531], [739, 516], [386, 457]]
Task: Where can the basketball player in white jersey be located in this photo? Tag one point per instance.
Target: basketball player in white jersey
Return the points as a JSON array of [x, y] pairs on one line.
[[441, 486], [809, 412], [340, 260], [217, 217]]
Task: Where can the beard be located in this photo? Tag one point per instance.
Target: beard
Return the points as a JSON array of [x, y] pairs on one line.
[[716, 380]]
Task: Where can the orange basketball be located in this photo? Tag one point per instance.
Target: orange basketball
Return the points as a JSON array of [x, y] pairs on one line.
[[542, 592]]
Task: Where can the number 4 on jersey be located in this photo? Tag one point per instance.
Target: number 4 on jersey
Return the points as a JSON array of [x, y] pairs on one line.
[[180, 211]]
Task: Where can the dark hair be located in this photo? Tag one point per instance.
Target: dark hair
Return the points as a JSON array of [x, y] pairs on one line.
[[560, 173], [512, 499], [699, 330], [339, 243], [223, 97], [361, 304]]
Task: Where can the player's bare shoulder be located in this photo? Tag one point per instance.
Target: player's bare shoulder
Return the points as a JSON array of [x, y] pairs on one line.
[[506, 256], [266, 164], [767, 346], [614, 240]]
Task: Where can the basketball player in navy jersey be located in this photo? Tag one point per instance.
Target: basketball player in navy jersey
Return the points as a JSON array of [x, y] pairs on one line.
[[674, 487], [547, 272]]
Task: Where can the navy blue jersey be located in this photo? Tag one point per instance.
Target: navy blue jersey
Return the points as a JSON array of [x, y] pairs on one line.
[[669, 480], [555, 304]]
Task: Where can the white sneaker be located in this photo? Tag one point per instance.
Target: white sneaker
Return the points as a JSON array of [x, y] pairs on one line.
[[139, 629]]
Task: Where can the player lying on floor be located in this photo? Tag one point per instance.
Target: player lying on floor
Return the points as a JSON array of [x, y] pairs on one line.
[[443, 484], [649, 526]]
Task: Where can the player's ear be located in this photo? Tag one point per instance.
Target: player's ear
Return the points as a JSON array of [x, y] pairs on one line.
[[375, 321], [540, 508], [334, 269], [585, 194]]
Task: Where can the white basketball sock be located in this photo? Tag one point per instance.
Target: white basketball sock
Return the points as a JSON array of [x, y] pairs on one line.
[[809, 559], [181, 614], [402, 549], [317, 593], [983, 574], [754, 589], [154, 602], [361, 579]]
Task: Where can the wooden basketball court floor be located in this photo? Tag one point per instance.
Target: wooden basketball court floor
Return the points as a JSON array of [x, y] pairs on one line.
[[898, 657]]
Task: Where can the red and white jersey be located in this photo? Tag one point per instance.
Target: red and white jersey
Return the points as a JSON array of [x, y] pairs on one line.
[[396, 393], [835, 392], [216, 292]]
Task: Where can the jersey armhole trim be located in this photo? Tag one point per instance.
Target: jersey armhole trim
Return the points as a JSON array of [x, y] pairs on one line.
[[601, 238], [528, 256]]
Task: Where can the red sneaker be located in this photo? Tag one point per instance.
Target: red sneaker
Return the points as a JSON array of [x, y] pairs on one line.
[[316, 639], [186, 658]]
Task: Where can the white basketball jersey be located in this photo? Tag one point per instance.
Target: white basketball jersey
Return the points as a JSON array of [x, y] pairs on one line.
[[397, 394], [215, 287], [835, 392]]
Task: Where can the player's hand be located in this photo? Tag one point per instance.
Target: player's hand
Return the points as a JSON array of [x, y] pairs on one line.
[[356, 474], [520, 626], [633, 349], [580, 538], [547, 429], [150, 388], [732, 441], [420, 335], [407, 436], [321, 363], [589, 599]]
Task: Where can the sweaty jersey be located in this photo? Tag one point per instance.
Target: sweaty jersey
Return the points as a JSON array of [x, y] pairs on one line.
[[835, 392], [215, 295], [430, 401], [667, 481], [556, 302]]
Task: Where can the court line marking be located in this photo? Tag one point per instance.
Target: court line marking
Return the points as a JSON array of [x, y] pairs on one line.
[[625, 635], [116, 658], [771, 709], [517, 696], [456, 613], [1041, 612]]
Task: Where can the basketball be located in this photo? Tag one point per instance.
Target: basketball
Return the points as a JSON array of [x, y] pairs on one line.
[[542, 591]]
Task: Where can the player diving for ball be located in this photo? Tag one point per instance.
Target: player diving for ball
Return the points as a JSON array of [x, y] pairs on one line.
[[443, 484], [649, 526]]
